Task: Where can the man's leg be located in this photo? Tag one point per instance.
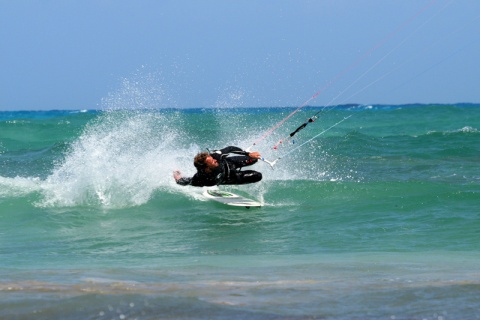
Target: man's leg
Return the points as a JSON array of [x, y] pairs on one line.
[[248, 176]]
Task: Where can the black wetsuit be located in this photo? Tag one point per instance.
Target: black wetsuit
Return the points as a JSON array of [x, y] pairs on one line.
[[228, 170]]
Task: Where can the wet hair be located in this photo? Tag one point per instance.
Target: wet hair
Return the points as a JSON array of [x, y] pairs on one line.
[[199, 160]]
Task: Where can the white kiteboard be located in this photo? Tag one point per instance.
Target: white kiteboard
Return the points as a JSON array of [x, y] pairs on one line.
[[230, 199]]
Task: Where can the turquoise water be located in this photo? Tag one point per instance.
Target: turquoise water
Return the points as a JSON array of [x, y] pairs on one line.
[[376, 218]]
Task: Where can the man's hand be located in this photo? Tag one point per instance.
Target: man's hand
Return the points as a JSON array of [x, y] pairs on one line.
[[177, 175], [254, 155]]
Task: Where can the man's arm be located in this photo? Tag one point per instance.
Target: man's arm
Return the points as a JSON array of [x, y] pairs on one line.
[[184, 181], [230, 149], [194, 181], [177, 175], [237, 150]]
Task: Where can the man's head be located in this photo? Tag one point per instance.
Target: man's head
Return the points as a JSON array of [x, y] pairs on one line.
[[204, 161]]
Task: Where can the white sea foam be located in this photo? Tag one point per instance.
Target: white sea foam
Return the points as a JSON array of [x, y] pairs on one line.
[[123, 156], [119, 160], [18, 186]]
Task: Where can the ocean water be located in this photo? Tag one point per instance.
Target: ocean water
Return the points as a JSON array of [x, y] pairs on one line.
[[376, 218]]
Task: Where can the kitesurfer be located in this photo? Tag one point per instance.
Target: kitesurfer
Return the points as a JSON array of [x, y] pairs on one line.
[[218, 167]]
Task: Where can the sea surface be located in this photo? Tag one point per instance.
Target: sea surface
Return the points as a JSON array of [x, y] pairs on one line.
[[373, 217]]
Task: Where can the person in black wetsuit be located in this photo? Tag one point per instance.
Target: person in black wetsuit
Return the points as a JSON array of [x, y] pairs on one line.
[[219, 168]]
